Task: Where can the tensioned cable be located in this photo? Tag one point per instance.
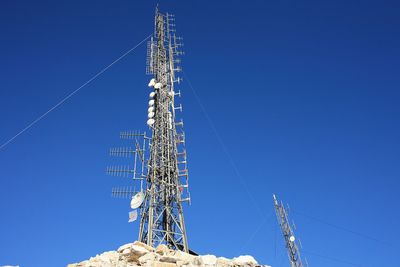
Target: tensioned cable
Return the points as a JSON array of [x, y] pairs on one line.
[[308, 252], [252, 236], [342, 228], [241, 178], [73, 93], [331, 258], [224, 148]]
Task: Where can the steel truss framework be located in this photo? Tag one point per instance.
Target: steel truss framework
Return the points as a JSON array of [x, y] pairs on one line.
[[160, 160], [288, 234]]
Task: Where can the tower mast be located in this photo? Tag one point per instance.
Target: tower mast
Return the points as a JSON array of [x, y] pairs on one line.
[[160, 160], [162, 216], [288, 234]]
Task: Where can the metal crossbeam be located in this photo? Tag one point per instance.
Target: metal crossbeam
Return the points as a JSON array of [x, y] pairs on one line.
[[288, 234], [160, 161]]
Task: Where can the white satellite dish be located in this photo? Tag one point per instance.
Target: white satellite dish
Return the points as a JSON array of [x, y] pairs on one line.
[[150, 122], [152, 82], [151, 102], [137, 200], [151, 109], [158, 85], [152, 94], [151, 115], [292, 239]]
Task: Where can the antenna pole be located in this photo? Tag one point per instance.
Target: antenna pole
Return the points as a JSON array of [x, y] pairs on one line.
[[288, 234], [160, 165], [166, 183]]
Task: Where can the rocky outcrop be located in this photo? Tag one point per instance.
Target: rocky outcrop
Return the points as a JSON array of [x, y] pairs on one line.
[[139, 254]]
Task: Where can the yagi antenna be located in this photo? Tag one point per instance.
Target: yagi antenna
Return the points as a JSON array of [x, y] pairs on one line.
[[157, 164], [123, 192], [132, 134], [124, 171], [123, 152]]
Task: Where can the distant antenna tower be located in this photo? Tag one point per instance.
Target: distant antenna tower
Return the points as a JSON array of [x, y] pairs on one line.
[[159, 161], [288, 234]]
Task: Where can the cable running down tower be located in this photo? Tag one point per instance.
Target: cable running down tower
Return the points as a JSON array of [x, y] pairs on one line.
[[160, 164]]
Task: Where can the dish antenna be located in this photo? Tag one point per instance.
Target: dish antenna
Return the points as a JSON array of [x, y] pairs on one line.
[[137, 200]]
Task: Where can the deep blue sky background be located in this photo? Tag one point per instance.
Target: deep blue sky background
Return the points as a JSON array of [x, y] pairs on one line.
[[303, 94]]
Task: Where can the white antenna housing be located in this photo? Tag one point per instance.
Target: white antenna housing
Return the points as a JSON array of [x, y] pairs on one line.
[[158, 85], [150, 122], [152, 82], [137, 200]]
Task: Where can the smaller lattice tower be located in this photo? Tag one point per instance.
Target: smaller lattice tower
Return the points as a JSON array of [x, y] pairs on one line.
[[159, 160], [292, 244]]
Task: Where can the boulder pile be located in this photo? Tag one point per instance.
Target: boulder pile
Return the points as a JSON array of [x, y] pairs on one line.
[[140, 254]]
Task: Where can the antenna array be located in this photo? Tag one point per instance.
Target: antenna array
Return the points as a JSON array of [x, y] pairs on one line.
[[159, 161], [292, 244]]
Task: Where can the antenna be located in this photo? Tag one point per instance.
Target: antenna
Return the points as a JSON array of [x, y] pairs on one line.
[[122, 192], [159, 162], [137, 200], [292, 243]]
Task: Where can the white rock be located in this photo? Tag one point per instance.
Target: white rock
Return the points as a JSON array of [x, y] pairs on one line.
[[169, 258], [140, 244], [163, 249], [121, 248], [197, 261], [109, 256], [243, 260], [149, 257], [138, 250], [209, 259], [224, 262], [183, 256], [140, 254], [181, 263], [126, 251]]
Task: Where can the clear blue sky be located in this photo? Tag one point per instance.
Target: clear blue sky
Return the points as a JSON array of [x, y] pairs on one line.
[[303, 94]]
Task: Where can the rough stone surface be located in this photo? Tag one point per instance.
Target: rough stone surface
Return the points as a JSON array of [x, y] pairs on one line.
[[209, 260], [139, 254], [123, 247], [245, 260], [224, 262], [139, 250], [163, 249], [143, 245], [149, 258], [169, 258]]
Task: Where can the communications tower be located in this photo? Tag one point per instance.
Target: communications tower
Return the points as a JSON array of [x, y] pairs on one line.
[[159, 160], [288, 235]]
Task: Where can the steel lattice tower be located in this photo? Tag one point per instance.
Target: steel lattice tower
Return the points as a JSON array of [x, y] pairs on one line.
[[160, 160], [288, 234], [162, 216]]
